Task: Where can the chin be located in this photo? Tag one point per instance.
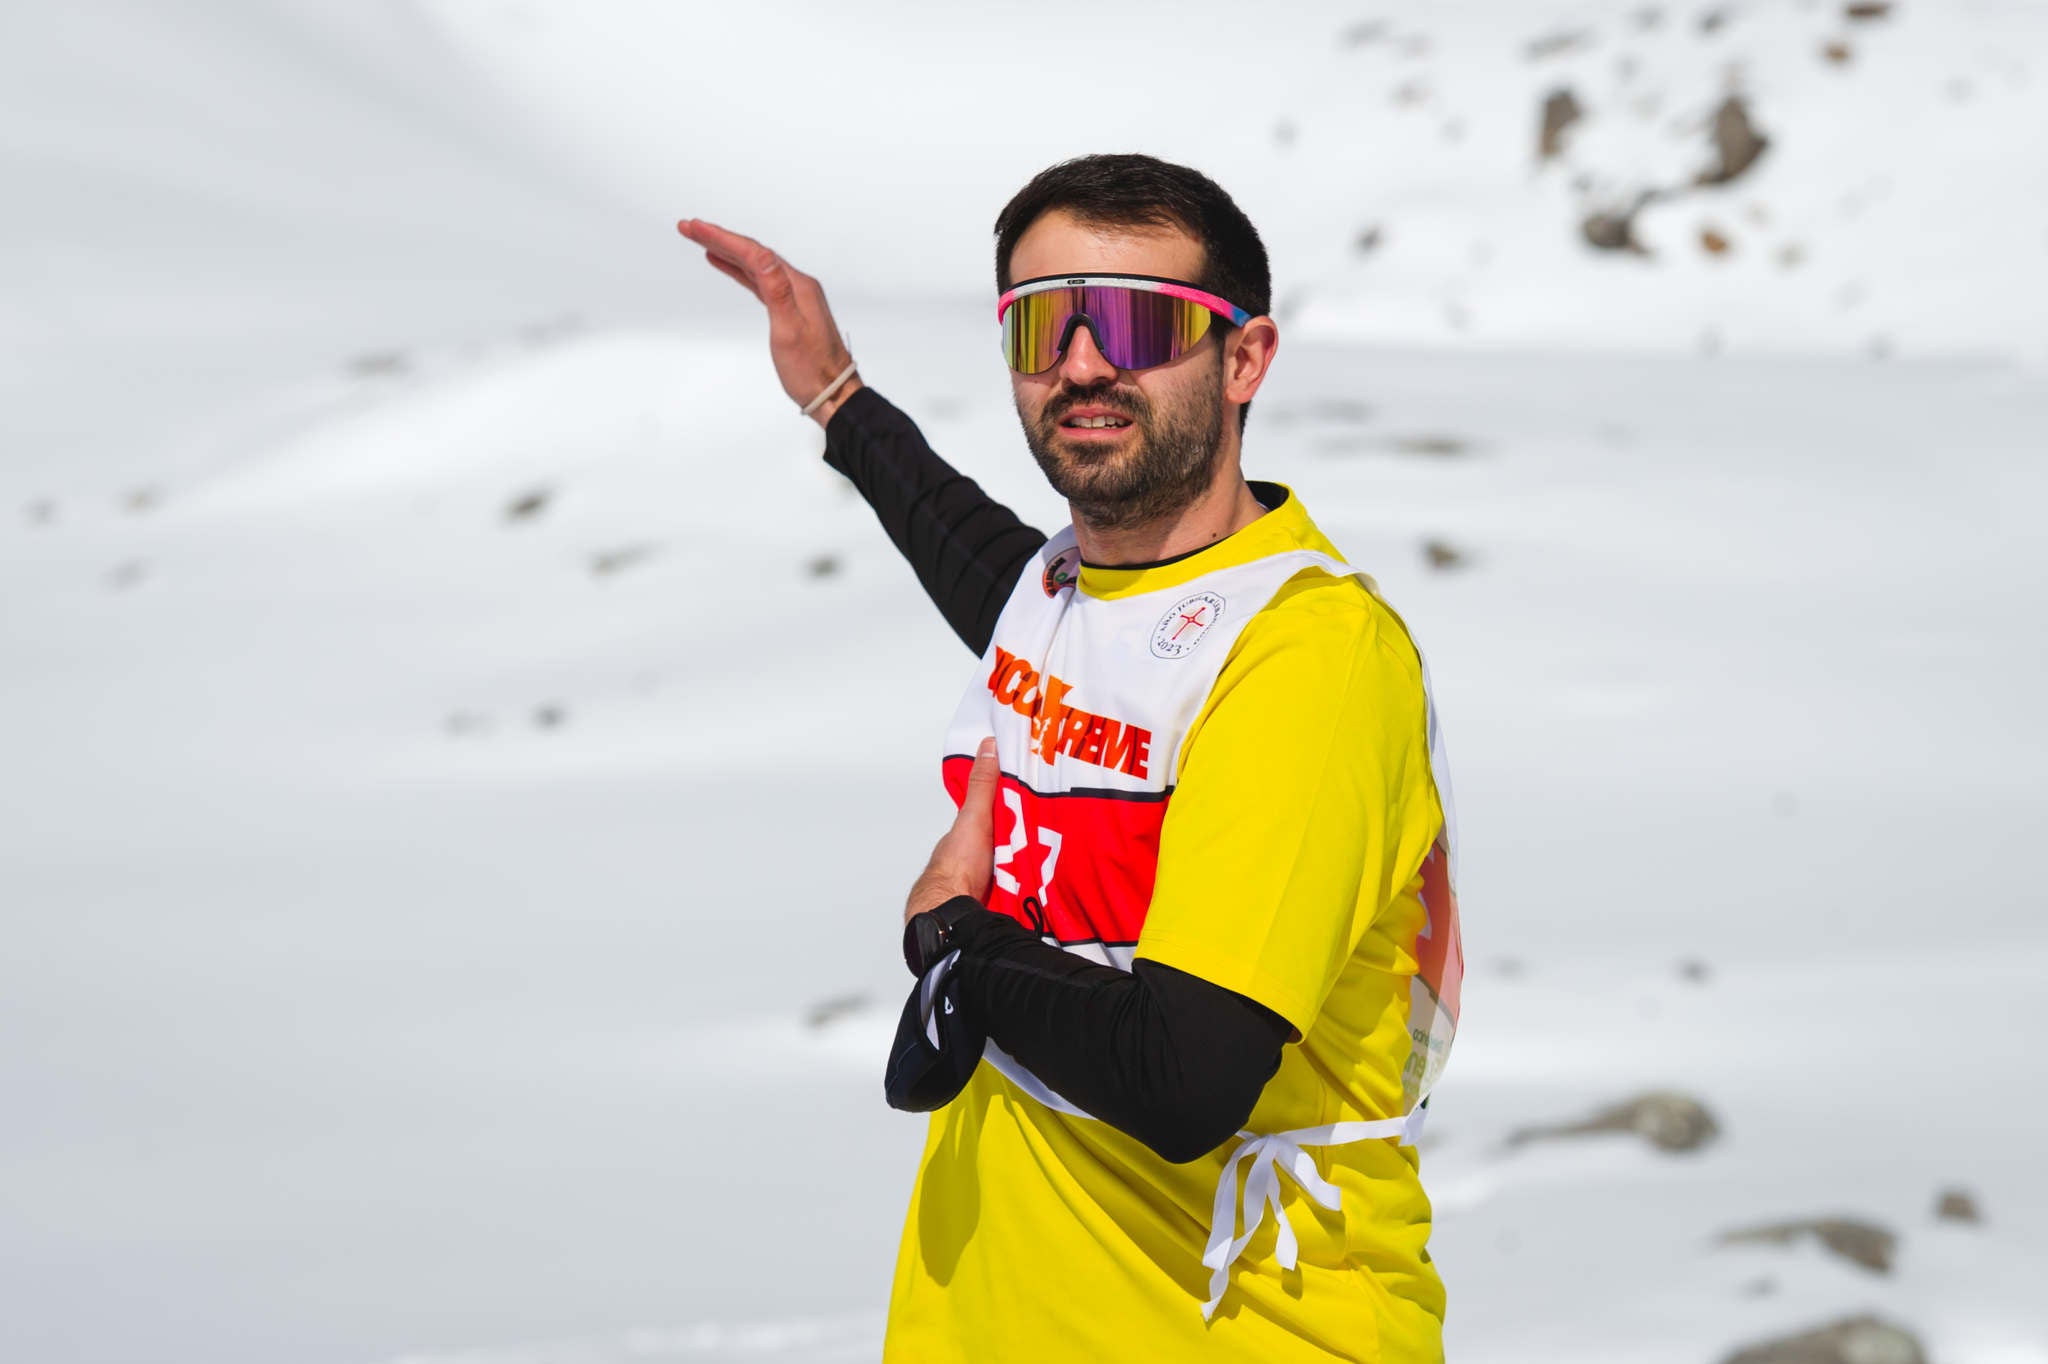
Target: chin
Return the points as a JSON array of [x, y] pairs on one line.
[[1085, 465]]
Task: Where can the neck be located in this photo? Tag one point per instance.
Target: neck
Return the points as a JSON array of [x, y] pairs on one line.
[[1224, 509]]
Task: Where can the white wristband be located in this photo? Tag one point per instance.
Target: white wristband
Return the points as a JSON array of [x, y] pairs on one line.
[[814, 404]]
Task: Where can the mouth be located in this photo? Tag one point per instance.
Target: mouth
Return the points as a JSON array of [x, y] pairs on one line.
[[1094, 427]]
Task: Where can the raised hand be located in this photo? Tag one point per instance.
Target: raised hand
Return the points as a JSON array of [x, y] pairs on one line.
[[965, 861], [803, 340]]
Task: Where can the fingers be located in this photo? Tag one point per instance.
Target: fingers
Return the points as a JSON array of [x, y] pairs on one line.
[[766, 275], [803, 340], [712, 237], [748, 254], [732, 272]]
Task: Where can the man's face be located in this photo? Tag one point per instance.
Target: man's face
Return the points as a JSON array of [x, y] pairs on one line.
[[1166, 456]]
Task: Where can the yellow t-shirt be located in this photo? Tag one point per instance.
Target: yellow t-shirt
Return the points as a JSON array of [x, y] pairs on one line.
[[1289, 871]]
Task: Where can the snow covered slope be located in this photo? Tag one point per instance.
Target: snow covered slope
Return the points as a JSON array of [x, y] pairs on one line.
[[209, 203], [413, 716], [1388, 152]]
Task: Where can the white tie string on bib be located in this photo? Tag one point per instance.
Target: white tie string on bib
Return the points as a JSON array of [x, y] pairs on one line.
[[1270, 1154]]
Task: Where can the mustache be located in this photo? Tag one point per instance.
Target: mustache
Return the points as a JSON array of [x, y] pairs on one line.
[[1132, 407]]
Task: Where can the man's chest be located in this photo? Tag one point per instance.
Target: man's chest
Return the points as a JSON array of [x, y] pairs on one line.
[[1091, 701]]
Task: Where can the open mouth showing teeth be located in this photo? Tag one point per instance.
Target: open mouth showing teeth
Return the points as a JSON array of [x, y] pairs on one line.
[[1094, 423]]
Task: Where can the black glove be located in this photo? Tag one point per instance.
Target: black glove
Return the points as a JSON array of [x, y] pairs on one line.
[[936, 1049]]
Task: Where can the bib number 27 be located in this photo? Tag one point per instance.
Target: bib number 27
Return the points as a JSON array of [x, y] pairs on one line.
[[1023, 836]]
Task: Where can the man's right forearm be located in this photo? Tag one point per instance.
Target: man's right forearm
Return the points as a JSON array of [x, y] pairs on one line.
[[966, 548]]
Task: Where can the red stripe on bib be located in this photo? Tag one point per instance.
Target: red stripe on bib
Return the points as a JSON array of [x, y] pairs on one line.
[[1075, 867]]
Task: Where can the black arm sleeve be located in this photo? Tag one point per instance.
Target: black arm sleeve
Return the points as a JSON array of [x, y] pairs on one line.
[[966, 548], [1167, 1057]]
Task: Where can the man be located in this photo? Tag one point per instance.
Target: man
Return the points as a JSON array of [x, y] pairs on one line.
[[1194, 920]]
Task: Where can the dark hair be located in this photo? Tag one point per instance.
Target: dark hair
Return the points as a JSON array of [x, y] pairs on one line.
[[1132, 190]]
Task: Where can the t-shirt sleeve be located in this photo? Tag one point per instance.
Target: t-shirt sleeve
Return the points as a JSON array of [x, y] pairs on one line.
[[1303, 805]]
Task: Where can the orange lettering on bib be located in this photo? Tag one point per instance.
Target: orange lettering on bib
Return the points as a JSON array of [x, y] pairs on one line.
[[1058, 726]]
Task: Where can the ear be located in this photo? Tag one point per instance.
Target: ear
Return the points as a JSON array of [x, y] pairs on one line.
[[1247, 354]]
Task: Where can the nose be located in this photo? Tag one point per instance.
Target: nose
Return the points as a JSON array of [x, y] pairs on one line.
[[1082, 363]]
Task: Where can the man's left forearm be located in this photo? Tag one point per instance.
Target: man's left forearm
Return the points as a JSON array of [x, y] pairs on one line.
[[1167, 1057]]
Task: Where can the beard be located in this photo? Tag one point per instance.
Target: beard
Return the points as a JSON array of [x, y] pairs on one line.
[[1168, 461]]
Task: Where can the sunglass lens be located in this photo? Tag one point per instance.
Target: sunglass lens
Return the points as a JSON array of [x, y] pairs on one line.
[[1133, 328], [1034, 327], [1137, 328]]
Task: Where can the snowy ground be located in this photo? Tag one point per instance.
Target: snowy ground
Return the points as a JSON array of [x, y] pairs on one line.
[[385, 875]]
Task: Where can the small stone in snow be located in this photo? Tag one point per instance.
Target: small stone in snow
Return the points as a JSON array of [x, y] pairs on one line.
[[529, 504], [1614, 229], [1866, 10], [1561, 109], [827, 1012], [1956, 1205], [1694, 970], [1556, 44], [550, 330], [615, 560], [378, 363], [1432, 443], [1441, 555], [550, 716], [1342, 411], [822, 565]]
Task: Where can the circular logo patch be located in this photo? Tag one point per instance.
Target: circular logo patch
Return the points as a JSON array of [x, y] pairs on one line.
[[1063, 571], [1186, 625]]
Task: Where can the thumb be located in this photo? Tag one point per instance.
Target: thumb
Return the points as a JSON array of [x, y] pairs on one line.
[[977, 809]]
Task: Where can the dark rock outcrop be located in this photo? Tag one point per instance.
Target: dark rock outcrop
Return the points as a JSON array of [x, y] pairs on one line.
[[1863, 1243], [1668, 1120], [1854, 1340], [1737, 143]]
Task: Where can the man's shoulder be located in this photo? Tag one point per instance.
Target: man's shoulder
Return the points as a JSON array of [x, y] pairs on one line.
[[1337, 617], [1328, 607]]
